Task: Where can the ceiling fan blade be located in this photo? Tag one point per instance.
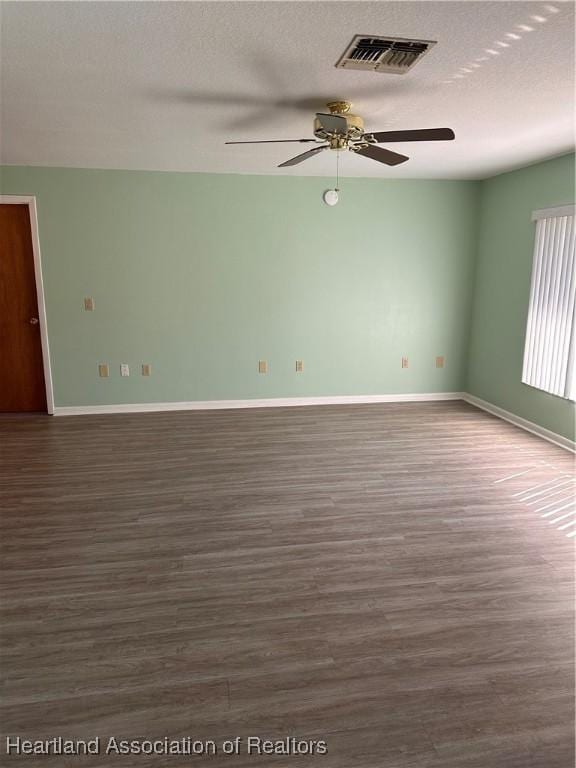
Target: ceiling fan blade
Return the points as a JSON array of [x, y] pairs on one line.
[[380, 154], [333, 123], [272, 141], [425, 134], [303, 156]]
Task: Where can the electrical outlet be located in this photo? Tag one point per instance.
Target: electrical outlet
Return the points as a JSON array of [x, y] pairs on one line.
[[299, 366], [89, 304], [262, 366], [103, 370], [440, 362], [124, 369], [404, 362], [146, 369]]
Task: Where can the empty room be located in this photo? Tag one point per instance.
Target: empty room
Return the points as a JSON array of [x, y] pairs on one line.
[[287, 385]]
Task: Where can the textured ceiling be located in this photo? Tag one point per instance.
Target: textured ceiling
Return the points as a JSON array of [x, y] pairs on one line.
[[162, 85]]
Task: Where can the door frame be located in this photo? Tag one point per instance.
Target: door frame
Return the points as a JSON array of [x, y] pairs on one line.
[[30, 201]]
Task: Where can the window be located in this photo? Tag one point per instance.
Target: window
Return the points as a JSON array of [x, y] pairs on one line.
[[550, 349]]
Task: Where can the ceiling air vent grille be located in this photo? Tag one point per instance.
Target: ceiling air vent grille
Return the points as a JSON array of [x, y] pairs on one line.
[[395, 55]]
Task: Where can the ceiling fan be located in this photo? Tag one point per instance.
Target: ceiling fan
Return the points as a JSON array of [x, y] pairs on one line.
[[340, 129]]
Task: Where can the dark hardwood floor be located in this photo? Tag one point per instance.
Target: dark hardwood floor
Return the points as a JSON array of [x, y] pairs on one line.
[[382, 577]]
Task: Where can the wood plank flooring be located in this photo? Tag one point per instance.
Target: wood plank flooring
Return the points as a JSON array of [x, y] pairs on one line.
[[373, 576]]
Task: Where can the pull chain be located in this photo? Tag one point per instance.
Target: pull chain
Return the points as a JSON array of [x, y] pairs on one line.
[[337, 170]]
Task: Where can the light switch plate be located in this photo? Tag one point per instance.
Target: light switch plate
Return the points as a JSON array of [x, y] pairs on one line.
[[440, 361], [262, 366], [103, 370], [89, 304], [146, 369], [299, 366], [124, 369], [404, 362]]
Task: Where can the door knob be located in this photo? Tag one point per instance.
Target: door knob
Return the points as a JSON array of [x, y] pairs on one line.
[[33, 321]]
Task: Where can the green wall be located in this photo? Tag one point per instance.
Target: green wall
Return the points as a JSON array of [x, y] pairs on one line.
[[502, 289], [202, 275]]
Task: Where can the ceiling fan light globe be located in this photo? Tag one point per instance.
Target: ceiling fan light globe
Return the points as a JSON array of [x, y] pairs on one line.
[[330, 197]]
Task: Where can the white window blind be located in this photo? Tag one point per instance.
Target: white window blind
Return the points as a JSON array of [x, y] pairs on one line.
[[550, 349]]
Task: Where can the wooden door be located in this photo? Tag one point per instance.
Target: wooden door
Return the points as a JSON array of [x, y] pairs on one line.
[[22, 386]]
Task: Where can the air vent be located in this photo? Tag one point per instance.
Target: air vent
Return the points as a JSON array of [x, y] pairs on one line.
[[395, 55]]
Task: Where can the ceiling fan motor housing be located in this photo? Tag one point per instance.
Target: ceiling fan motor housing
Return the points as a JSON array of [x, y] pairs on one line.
[[354, 125], [354, 128]]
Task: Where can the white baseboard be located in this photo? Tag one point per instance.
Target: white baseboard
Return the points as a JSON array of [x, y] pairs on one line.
[[292, 402], [270, 402], [518, 421]]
